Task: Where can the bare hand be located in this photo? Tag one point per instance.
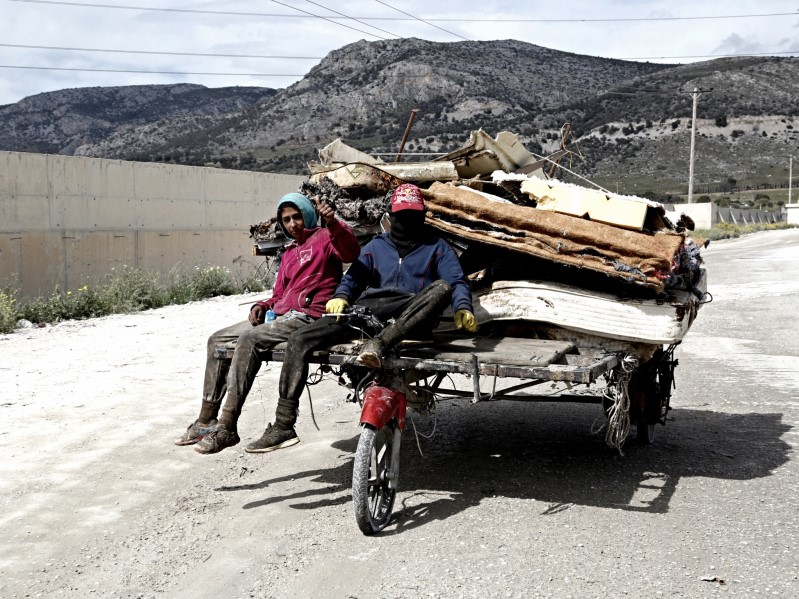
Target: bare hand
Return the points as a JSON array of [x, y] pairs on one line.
[[325, 210], [257, 315]]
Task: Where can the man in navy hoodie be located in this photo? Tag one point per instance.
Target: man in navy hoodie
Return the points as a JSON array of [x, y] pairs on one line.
[[408, 275]]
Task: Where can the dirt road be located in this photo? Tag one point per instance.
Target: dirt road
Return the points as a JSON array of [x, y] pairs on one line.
[[508, 500]]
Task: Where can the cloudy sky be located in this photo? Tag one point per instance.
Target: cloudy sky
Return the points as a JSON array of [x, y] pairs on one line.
[[47, 45]]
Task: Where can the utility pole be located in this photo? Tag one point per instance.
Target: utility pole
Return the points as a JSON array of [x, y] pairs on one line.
[[695, 95], [790, 177]]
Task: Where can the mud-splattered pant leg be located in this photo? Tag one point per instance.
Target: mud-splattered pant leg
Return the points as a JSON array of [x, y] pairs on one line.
[[419, 315], [239, 373], [301, 344]]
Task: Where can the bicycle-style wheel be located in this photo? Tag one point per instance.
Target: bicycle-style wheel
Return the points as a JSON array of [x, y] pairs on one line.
[[373, 491]]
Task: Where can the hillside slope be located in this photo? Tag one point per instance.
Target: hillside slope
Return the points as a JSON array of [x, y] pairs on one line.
[[631, 120]]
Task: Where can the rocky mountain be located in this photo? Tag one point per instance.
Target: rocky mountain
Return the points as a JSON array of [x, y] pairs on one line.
[[630, 120], [66, 121]]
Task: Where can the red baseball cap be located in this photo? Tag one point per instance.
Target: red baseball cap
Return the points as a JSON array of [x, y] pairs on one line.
[[407, 197]]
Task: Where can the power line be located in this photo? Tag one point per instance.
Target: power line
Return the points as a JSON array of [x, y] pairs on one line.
[[160, 52], [408, 18], [329, 20], [6, 66], [275, 57], [422, 20], [352, 18]]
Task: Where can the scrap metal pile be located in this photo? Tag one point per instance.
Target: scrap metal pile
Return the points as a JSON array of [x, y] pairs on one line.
[[567, 258]]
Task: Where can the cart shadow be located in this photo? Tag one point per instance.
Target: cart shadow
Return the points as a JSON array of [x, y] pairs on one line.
[[547, 453], [562, 465]]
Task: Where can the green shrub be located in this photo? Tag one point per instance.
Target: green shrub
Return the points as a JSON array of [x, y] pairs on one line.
[[730, 230], [83, 303], [129, 290], [8, 311], [211, 281]]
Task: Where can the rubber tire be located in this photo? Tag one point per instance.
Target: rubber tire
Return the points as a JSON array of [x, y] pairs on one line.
[[373, 503]]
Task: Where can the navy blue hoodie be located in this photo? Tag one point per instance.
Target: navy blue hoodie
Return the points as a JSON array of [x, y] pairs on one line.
[[379, 269]]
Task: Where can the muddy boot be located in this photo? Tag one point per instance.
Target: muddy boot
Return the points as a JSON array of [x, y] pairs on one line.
[[197, 429], [282, 434], [195, 432], [216, 439], [273, 439], [372, 353]]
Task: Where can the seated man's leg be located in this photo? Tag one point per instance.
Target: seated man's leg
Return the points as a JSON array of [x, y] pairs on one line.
[[419, 314], [301, 344], [251, 347], [214, 383]]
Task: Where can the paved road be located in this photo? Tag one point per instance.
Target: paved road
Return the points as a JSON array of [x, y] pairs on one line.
[[509, 499]]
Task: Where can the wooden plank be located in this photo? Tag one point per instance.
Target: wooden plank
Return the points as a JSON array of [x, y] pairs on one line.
[[609, 208]]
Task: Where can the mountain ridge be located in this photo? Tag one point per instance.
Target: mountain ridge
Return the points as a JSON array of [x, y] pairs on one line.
[[629, 118]]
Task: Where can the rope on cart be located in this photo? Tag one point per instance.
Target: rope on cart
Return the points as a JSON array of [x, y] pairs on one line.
[[417, 434], [617, 393]]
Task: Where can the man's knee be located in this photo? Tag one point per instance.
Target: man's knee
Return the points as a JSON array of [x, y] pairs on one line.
[[440, 291], [246, 341], [442, 286]]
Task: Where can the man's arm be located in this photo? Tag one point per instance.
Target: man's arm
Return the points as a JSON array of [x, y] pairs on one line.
[[345, 244], [258, 310], [357, 277], [449, 269]]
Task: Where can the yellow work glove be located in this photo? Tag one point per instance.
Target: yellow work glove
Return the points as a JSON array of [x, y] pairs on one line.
[[465, 320], [336, 305]]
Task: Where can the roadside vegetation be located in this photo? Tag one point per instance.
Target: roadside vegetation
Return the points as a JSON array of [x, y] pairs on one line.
[[125, 290], [131, 290], [729, 230]]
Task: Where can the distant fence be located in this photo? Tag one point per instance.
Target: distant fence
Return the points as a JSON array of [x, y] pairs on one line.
[[706, 215], [66, 221]]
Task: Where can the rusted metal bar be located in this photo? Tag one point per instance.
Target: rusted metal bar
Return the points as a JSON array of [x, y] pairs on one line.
[[407, 131], [553, 372], [567, 129]]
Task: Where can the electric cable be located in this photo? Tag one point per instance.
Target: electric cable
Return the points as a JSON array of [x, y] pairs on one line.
[[164, 53], [329, 20], [352, 18], [422, 20], [409, 17]]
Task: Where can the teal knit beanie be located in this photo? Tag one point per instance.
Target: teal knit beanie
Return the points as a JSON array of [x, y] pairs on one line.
[[301, 203]]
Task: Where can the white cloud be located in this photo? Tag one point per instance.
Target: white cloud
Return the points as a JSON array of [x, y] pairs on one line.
[[93, 27]]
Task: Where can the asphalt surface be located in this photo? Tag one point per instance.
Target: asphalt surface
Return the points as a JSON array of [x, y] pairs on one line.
[[508, 500]]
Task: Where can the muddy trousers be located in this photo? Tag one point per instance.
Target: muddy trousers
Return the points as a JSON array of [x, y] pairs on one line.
[[236, 376], [418, 315]]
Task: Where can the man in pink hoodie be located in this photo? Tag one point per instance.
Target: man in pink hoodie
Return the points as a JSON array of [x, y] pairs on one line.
[[310, 270]]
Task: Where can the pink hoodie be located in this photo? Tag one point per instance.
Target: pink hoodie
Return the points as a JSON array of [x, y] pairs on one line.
[[311, 268]]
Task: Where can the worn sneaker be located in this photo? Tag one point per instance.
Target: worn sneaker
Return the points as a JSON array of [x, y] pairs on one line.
[[195, 432], [372, 353], [216, 439], [273, 439]]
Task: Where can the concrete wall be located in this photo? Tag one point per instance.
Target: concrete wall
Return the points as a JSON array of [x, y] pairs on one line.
[[66, 221], [706, 215]]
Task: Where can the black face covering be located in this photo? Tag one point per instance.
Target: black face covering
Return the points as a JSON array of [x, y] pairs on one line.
[[407, 229]]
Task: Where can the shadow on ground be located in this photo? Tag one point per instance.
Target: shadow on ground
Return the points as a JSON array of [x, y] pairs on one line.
[[547, 453]]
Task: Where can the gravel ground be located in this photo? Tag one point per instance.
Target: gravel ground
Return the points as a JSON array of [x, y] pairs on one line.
[[508, 500]]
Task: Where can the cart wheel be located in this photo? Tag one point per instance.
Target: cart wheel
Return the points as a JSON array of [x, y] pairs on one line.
[[372, 492]]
